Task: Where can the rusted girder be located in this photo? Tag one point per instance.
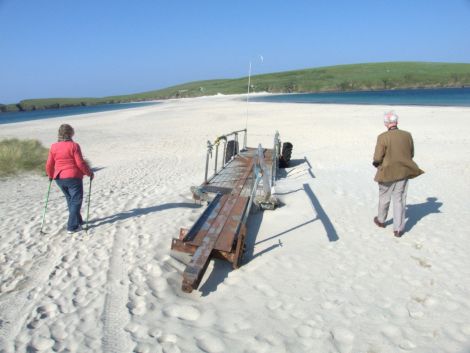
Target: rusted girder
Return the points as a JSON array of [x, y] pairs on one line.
[[226, 221]]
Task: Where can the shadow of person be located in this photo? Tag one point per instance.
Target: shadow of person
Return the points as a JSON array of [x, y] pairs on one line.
[[415, 213], [136, 212]]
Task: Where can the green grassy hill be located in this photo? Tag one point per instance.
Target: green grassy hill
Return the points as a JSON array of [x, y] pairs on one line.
[[372, 76]]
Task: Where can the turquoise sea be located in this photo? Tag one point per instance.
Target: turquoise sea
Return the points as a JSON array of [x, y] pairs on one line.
[[436, 97], [8, 118]]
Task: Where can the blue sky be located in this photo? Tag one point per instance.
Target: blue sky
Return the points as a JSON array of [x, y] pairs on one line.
[[60, 48]]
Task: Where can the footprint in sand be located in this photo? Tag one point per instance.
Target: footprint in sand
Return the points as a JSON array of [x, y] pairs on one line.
[[407, 345], [183, 312], [140, 291], [454, 332], [210, 344], [299, 314], [274, 304], [208, 317], [157, 284], [343, 339], [422, 262], [269, 343], [58, 332], [155, 332], [47, 310], [170, 347], [85, 271], [41, 344], [137, 306], [142, 348], [304, 331], [415, 310], [393, 333], [266, 290], [167, 338], [235, 323], [136, 330], [152, 269], [399, 311], [136, 277]]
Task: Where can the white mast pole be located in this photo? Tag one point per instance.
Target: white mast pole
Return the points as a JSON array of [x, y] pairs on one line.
[[247, 99], [248, 94]]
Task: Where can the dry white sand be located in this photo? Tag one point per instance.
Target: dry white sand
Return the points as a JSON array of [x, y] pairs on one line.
[[319, 277]]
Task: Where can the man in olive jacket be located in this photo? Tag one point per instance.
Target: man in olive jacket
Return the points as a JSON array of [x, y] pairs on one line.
[[393, 159]]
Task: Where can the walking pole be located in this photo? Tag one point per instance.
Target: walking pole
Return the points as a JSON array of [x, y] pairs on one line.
[[88, 207], [45, 207]]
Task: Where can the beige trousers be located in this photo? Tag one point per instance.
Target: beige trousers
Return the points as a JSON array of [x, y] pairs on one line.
[[395, 191]]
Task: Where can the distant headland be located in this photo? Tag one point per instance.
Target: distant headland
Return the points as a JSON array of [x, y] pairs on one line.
[[341, 78]]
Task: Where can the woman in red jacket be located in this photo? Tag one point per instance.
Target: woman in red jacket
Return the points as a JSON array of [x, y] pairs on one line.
[[66, 166]]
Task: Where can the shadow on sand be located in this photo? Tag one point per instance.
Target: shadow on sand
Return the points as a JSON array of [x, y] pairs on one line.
[[294, 163], [136, 212], [97, 169], [223, 268], [216, 277], [417, 212], [320, 215]]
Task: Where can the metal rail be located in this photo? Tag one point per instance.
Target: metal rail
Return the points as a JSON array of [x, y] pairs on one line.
[[276, 155], [216, 144]]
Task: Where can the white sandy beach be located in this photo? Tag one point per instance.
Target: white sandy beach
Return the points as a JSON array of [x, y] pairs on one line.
[[319, 275]]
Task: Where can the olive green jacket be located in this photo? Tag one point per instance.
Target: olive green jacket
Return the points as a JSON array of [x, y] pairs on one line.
[[393, 155]]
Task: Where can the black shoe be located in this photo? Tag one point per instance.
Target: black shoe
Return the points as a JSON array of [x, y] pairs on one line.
[[397, 233], [78, 229]]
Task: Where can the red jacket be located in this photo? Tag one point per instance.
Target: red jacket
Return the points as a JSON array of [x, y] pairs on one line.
[[65, 161]]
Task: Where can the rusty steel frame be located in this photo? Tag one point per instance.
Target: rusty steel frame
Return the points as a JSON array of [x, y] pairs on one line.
[[224, 221], [221, 230]]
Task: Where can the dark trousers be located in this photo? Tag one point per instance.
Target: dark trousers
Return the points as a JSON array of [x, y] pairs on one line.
[[73, 191]]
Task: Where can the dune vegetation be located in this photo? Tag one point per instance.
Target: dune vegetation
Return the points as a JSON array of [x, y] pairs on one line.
[[21, 156]]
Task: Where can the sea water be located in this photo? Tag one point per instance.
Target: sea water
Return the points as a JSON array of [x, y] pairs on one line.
[[434, 97], [16, 117]]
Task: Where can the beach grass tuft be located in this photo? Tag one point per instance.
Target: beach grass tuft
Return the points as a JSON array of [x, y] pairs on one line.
[[21, 156]]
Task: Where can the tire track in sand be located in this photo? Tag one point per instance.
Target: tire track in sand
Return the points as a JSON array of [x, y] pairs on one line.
[[16, 304], [115, 314]]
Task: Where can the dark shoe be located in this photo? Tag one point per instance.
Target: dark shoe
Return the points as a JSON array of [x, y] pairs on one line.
[[76, 230], [379, 224], [397, 233]]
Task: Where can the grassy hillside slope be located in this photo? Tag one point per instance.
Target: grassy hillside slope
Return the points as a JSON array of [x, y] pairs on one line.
[[372, 76]]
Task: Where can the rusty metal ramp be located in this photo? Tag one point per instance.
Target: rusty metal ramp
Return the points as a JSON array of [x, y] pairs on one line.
[[221, 229]]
